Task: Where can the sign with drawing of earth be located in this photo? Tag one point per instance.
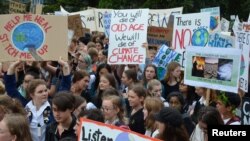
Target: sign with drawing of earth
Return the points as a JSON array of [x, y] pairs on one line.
[[200, 37], [28, 35]]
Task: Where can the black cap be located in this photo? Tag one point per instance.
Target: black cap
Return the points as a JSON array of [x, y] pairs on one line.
[[170, 116]]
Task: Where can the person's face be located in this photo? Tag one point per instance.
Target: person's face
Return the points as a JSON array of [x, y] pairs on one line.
[[104, 83], [27, 80], [182, 87], [40, 95], [125, 79], [150, 73], [160, 127], [84, 82], [221, 107], [177, 72], [61, 116], [175, 103], [106, 41], [145, 112], [109, 110], [199, 91], [5, 134], [82, 48], [81, 63], [79, 109], [156, 91], [133, 99], [98, 46], [103, 71], [100, 56], [203, 127]]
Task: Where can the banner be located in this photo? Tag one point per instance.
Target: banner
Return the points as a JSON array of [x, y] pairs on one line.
[[220, 40], [224, 25], [164, 56], [128, 32], [214, 68], [214, 18], [97, 131], [158, 36], [160, 17], [243, 43], [190, 29], [33, 37], [245, 111]]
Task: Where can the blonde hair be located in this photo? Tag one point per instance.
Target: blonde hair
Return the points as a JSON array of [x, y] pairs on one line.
[[171, 67], [117, 102], [153, 106]]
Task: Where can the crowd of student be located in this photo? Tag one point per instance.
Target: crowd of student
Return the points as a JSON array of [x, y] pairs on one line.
[[43, 101]]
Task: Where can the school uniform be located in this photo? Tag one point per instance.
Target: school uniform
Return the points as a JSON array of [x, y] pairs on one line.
[[136, 122]]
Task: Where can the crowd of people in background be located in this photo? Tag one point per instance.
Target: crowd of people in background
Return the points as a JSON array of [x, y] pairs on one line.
[[43, 101]]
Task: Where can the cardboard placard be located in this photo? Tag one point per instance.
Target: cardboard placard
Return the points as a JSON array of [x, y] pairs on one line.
[[33, 37], [159, 35]]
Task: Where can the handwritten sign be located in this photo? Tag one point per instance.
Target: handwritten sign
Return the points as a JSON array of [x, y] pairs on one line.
[[164, 56], [17, 7], [160, 17], [190, 29], [99, 15], [214, 18], [33, 37], [224, 25], [75, 24], [245, 111], [159, 35], [106, 22], [242, 43], [87, 19], [214, 68], [128, 31], [220, 40], [92, 130]]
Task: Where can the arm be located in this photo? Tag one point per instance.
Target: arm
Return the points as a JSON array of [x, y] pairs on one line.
[[66, 79]]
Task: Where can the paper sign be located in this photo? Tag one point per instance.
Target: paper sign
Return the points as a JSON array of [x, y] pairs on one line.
[[220, 40], [190, 29], [17, 7], [224, 25], [159, 35], [33, 37], [99, 15], [214, 18], [106, 22], [245, 111], [128, 32], [92, 130], [242, 43], [160, 17], [214, 68]]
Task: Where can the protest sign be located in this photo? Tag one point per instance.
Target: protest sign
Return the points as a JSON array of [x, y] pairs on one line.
[[87, 18], [164, 56], [220, 40], [159, 35], [33, 37], [215, 68], [190, 29], [245, 111], [17, 7], [214, 18], [242, 43], [128, 32], [160, 17], [99, 15], [92, 130], [106, 23], [224, 25], [75, 24]]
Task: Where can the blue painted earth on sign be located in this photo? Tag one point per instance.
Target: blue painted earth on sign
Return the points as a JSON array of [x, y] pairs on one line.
[[200, 37], [27, 35], [124, 137]]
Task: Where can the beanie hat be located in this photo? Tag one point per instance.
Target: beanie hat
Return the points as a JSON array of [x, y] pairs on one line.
[[170, 116]]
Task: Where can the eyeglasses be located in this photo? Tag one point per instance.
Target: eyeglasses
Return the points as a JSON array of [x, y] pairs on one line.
[[106, 109]]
